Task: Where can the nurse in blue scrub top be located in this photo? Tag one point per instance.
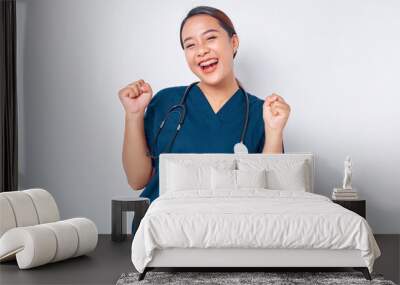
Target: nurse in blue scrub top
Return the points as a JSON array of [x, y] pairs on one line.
[[215, 106]]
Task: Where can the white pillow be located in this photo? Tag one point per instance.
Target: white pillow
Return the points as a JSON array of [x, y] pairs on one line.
[[251, 178], [228, 179], [288, 178], [188, 175], [282, 174], [223, 179]]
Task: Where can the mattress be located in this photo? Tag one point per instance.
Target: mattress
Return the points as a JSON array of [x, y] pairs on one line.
[[253, 218]]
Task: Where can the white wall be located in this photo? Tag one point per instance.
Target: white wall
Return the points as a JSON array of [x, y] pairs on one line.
[[335, 62]]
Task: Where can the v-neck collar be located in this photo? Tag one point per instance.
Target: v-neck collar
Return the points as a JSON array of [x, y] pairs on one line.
[[229, 101]]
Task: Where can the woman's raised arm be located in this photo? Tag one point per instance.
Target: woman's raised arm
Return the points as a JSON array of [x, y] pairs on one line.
[[275, 113], [137, 165]]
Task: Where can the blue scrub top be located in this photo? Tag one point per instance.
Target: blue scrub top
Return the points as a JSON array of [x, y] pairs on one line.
[[203, 131]]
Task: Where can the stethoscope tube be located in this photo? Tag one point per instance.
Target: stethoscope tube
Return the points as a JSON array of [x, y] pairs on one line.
[[182, 116]]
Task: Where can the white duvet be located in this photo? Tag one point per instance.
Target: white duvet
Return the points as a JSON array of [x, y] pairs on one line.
[[251, 218]]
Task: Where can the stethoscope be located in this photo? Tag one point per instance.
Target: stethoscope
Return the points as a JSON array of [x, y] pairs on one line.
[[239, 148]]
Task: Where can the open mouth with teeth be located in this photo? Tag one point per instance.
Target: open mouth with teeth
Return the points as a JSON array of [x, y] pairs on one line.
[[209, 66]]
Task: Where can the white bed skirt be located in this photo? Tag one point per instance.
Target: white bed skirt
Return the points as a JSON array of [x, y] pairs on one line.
[[251, 257]]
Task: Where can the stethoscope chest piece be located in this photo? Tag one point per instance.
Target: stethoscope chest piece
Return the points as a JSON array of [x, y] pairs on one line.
[[240, 148]]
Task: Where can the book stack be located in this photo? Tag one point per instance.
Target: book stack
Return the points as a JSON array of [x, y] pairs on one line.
[[344, 194]]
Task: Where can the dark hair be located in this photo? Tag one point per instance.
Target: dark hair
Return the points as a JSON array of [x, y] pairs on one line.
[[222, 18]]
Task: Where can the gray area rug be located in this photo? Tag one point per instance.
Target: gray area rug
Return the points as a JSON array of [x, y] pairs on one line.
[[229, 278]]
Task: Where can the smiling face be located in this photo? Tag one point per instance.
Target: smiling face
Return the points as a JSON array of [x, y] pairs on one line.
[[208, 49]]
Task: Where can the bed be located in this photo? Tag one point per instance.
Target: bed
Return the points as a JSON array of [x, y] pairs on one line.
[[245, 211]]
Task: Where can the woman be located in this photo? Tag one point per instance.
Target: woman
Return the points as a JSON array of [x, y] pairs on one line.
[[215, 106]]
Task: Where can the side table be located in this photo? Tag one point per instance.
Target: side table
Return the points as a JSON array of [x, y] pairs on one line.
[[357, 206], [119, 207]]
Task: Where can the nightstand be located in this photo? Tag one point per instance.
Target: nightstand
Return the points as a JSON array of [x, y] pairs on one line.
[[119, 207], [357, 206]]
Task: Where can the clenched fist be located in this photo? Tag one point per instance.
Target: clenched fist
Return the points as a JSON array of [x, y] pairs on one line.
[[136, 96], [275, 112]]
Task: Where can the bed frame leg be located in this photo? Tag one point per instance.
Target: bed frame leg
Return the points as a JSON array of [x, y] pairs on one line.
[[364, 271], [143, 274]]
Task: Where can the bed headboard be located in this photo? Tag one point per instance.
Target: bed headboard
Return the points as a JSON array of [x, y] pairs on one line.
[[210, 157]]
